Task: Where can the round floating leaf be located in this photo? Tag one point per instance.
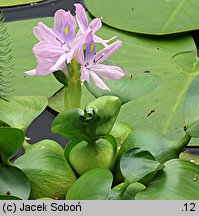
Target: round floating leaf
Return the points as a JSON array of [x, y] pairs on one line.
[[5, 3], [133, 15], [160, 146], [96, 120], [48, 172], [191, 111], [85, 156], [178, 181], [11, 140], [92, 185], [136, 163], [20, 111], [13, 183], [130, 87]]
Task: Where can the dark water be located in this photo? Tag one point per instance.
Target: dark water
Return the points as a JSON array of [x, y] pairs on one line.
[[41, 9], [193, 150], [40, 129]]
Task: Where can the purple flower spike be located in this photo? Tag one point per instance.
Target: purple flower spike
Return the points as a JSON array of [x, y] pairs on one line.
[[57, 46], [91, 67]]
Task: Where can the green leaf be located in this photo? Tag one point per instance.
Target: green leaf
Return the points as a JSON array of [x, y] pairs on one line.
[[69, 124], [85, 156], [69, 147], [117, 191], [191, 111], [45, 198], [125, 88], [96, 120], [132, 190], [20, 111], [21, 35], [13, 183], [9, 197], [125, 191], [101, 114], [5, 3], [48, 172], [11, 140], [120, 131], [173, 16], [178, 181], [136, 163], [92, 185], [160, 146], [187, 63], [60, 76]]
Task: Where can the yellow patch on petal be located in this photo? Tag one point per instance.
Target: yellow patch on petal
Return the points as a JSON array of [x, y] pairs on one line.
[[66, 30], [92, 47]]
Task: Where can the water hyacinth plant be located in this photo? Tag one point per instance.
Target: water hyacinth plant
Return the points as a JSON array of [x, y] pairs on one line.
[[104, 159]]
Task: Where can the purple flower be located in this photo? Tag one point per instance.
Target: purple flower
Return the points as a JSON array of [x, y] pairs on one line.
[[57, 46], [95, 25], [91, 65]]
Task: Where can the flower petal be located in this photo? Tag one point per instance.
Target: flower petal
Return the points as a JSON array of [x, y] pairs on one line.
[[90, 47], [48, 34], [68, 28], [95, 24], [98, 81], [108, 72], [80, 56], [38, 34], [80, 39], [58, 20], [59, 64], [31, 72], [84, 74], [71, 55], [44, 65], [81, 17], [107, 51], [42, 71], [103, 42], [47, 49]]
